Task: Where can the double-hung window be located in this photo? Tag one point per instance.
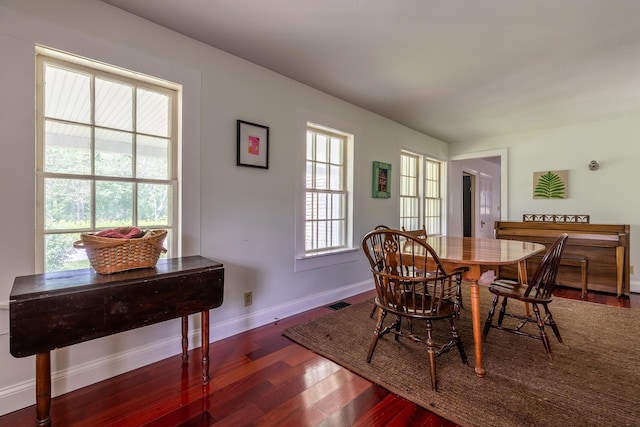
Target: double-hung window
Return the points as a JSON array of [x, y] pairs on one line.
[[106, 155], [420, 193], [327, 199]]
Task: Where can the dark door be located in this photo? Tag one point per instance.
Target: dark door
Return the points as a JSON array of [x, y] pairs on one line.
[[467, 205]]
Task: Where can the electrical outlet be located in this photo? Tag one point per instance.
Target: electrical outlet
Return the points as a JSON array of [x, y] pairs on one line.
[[248, 298]]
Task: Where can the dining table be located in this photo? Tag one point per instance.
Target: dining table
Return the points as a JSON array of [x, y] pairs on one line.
[[480, 255]]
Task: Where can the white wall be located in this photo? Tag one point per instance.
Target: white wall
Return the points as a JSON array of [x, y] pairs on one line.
[[608, 195], [240, 216]]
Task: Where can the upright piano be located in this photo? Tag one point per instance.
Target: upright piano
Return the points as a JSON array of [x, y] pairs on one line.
[[596, 256]]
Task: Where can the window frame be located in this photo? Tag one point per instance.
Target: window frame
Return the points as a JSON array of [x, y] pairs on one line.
[[413, 196], [329, 191], [422, 217], [427, 215], [96, 69], [306, 260]]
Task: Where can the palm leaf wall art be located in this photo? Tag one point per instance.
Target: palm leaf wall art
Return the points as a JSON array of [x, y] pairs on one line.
[[550, 185]]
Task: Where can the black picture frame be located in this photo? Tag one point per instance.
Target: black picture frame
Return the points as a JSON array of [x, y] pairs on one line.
[[253, 145]]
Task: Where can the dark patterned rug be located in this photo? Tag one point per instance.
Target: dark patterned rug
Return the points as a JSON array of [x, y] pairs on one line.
[[594, 379]]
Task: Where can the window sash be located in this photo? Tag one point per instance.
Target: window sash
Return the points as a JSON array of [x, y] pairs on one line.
[[420, 193], [326, 196], [409, 191]]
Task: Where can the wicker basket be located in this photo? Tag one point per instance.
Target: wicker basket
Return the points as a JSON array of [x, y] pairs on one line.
[[108, 255]]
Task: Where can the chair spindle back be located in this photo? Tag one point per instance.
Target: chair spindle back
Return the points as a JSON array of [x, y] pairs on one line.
[[544, 279]]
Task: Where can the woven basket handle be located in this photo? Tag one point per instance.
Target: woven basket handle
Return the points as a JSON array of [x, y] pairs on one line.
[[158, 246], [79, 244], [156, 243]]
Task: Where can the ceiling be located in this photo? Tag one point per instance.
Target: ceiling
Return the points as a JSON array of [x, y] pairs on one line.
[[458, 70]]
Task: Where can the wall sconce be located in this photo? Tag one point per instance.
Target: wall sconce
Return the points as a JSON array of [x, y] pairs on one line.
[[593, 165]]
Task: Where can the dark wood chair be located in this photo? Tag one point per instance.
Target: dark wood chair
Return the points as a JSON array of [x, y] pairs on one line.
[[405, 293], [379, 257], [538, 292], [420, 233]]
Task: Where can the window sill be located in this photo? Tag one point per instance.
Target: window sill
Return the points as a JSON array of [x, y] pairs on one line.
[[310, 262]]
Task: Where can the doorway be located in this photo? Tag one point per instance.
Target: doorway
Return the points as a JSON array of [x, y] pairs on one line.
[[468, 208], [485, 174]]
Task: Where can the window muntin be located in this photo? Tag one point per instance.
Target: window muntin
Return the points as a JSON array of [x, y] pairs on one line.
[[325, 191], [107, 147], [420, 193]]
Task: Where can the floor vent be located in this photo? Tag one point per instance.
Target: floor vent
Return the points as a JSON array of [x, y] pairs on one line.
[[338, 305]]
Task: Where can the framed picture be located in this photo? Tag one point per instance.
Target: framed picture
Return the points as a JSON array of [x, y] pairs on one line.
[[550, 184], [253, 145], [381, 180]]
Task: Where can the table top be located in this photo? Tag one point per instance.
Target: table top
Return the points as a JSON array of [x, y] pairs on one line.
[[50, 284], [482, 251], [58, 309]]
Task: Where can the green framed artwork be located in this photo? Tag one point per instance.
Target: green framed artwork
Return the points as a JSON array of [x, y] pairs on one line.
[[550, 184], [381, 180]]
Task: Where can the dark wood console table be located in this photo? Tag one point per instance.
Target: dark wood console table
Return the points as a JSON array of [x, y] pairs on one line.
[[54, 310]]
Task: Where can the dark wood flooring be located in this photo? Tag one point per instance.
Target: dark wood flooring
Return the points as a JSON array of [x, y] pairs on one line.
[[259, 378]]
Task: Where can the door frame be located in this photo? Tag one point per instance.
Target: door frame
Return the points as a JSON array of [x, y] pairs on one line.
[[504, 173]]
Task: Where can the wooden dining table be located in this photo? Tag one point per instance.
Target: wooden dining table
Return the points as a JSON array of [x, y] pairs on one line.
[[480, 255]]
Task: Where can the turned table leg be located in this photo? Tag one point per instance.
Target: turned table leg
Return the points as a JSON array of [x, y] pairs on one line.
[[185, 339], [205, 345], [477, 330], [43, 388]]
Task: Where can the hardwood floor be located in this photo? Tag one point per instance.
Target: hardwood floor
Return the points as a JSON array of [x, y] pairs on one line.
[[259, 378]]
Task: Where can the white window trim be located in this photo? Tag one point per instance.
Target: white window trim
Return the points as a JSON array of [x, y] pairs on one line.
[[351, 253], [444, 210], [418, 196], [174, 180]]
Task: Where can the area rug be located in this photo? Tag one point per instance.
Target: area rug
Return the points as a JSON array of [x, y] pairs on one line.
[[593, 380]]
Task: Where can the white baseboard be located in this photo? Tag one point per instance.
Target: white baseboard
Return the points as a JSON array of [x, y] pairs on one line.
[[21, 395], [4, 317], [273, 314], [18, 396]]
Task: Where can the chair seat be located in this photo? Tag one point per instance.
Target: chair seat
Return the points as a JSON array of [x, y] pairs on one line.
[[515, 290], [417, 307]]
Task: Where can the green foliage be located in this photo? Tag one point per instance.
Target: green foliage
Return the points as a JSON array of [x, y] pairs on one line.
[[58, 251], [550, 186]]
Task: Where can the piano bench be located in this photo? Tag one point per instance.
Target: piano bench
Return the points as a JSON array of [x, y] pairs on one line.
[[573, 261]]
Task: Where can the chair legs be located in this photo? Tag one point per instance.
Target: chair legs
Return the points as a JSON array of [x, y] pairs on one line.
[[433, 349], [373, 310], [543, 334], [539, 320], [377, 333], [431, 355], [487, 323], [456, 337], [503, 310], [552, 323]]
